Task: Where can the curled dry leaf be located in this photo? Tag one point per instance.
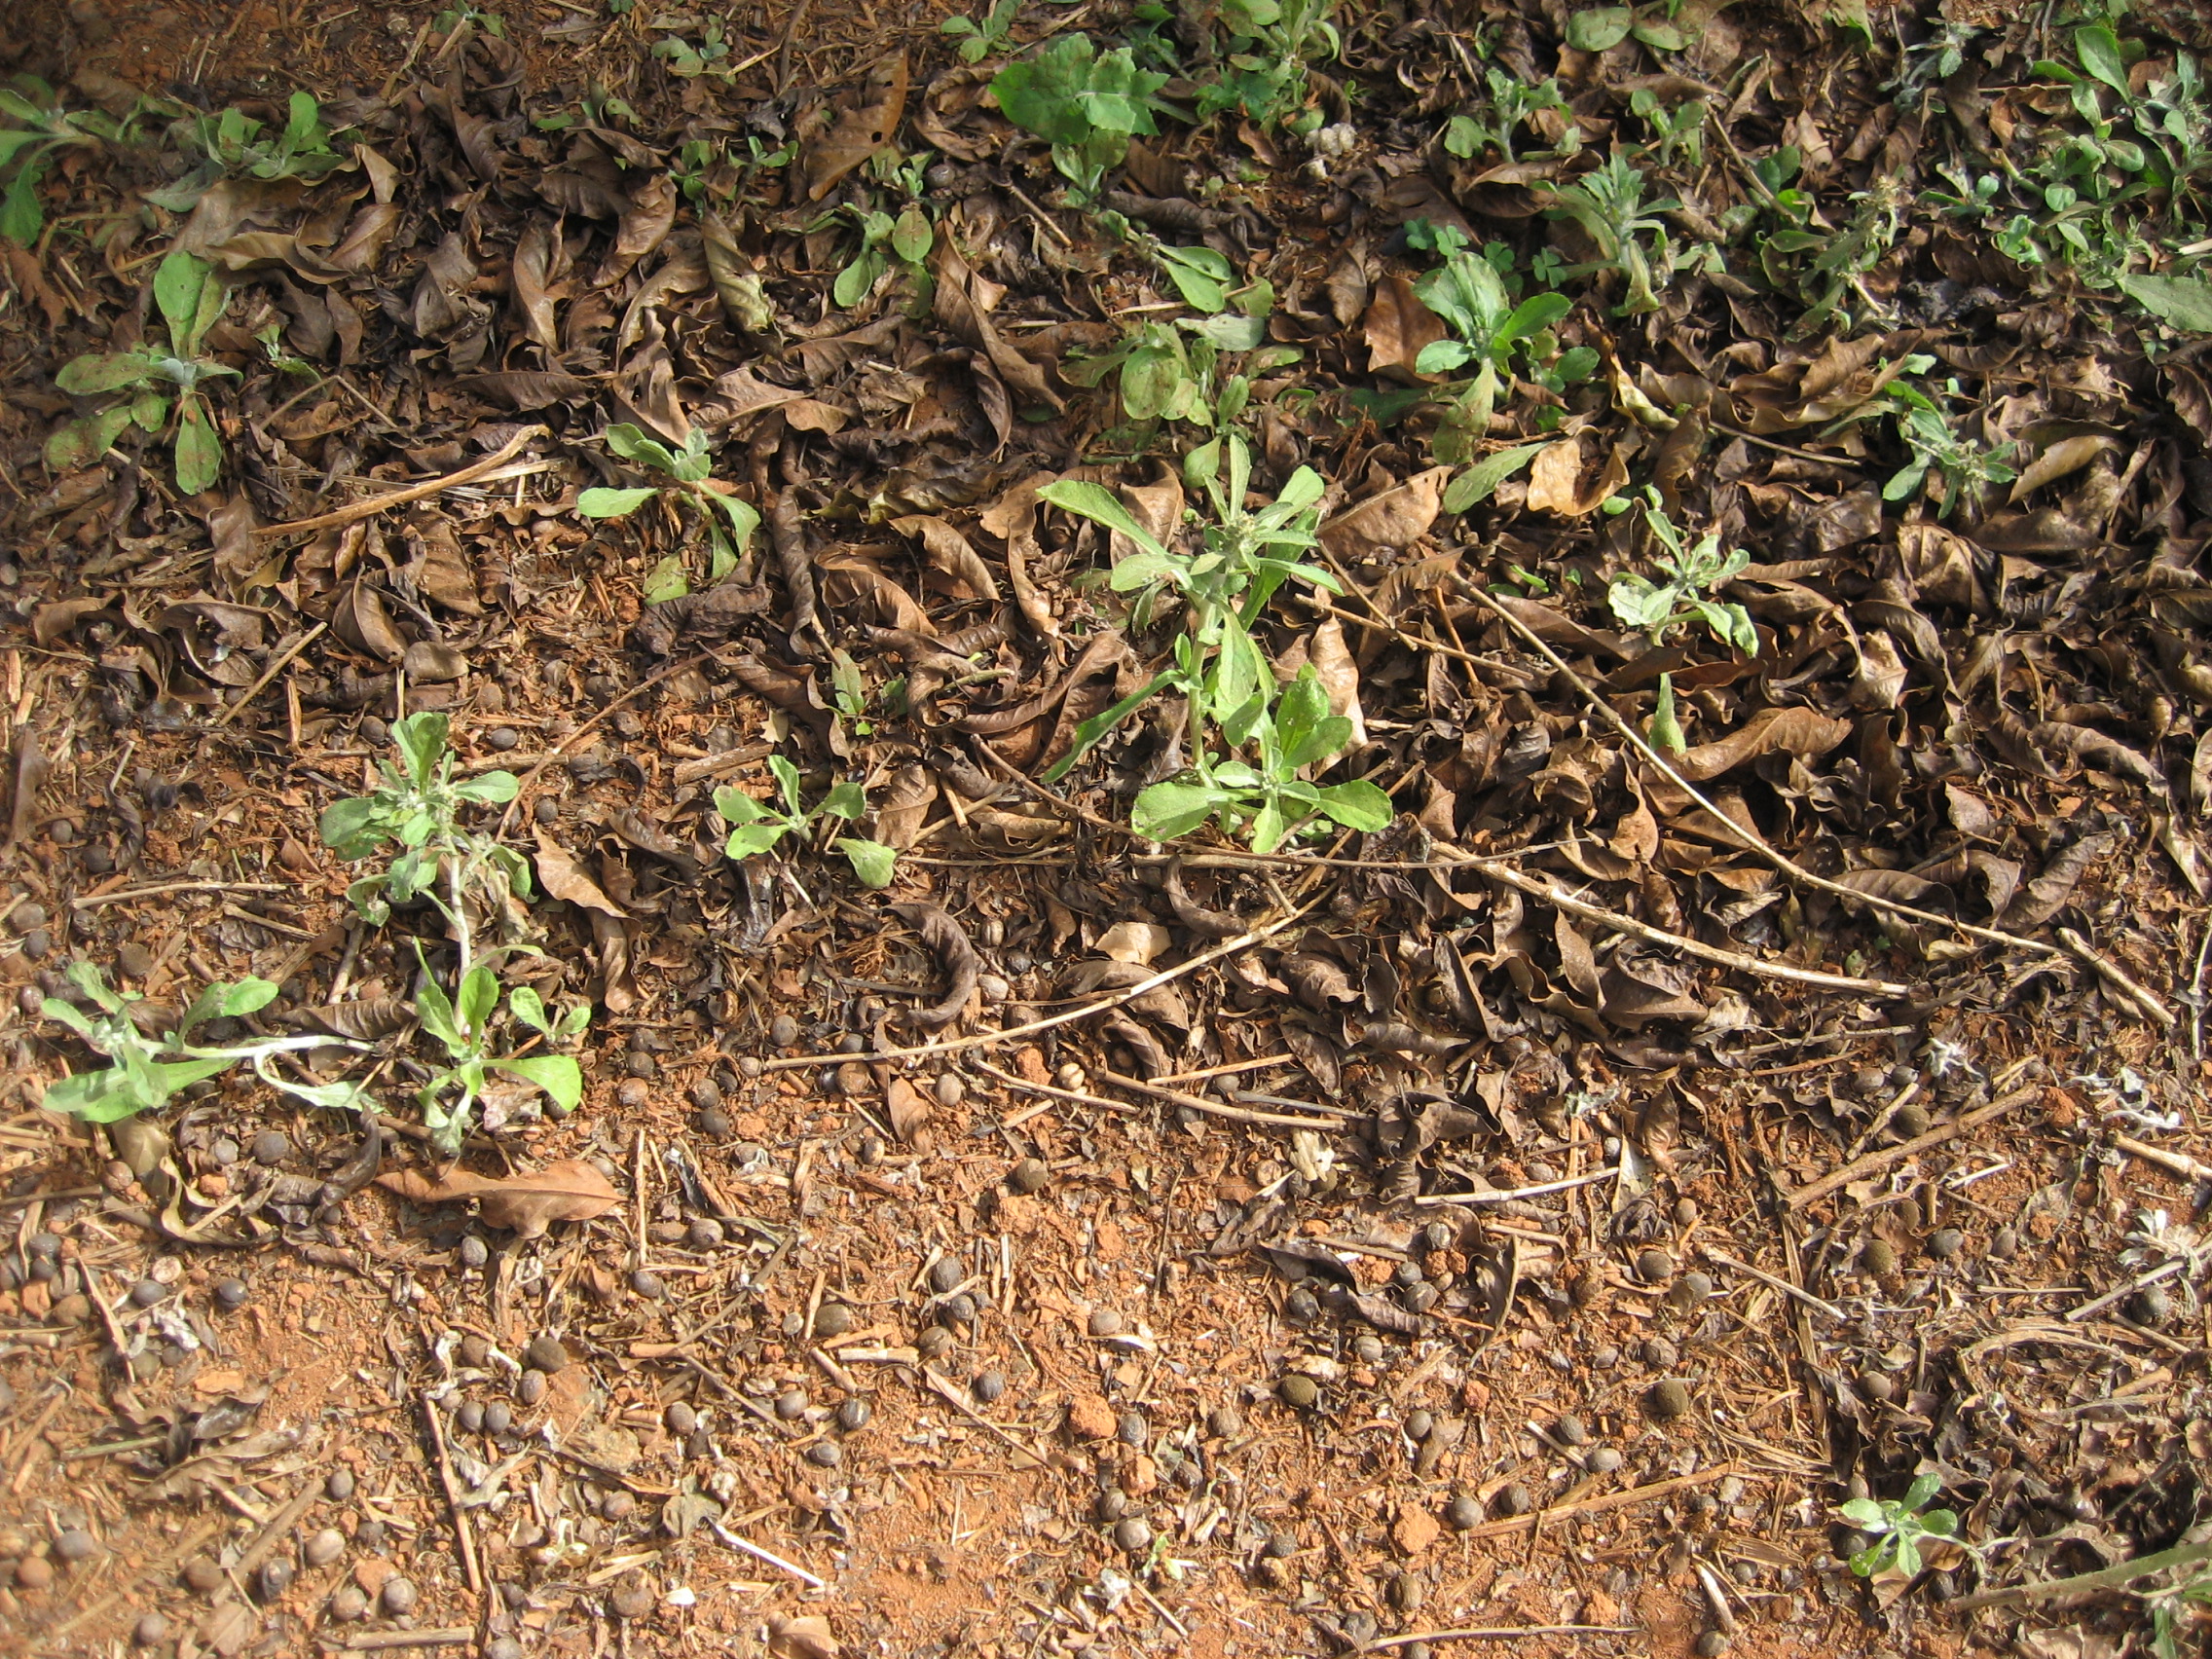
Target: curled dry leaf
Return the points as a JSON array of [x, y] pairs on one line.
[[908, 1108], [564, 878], [1339, 673], [1135, 941], [1396, 518], [1396, 327], [1555, 480], [862, 130], [962, 966], [1802, 732], [804, 1638], [567, 1190]]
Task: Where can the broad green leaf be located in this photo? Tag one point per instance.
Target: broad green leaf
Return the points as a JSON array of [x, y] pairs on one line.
[[1532, 316], [1093, 503], [1940, 1523], [1141, 569], [666, 580], [1597, 30], [846, 800], [558, 1075], [1922, 1488], [632, 444], [179, 282], [912, 235], [528, 1006], [604, 504], [421, 739], [748, 840], [1203, 465], [1229, 333], [1869, 1561], [1166, 811], [1358, 805], [1268, 827], [744, 519], [488, 789], [1155, 385], [22, 216], [105, 1096], [855, 282], [1864, 1513], [199, 450], [249, 996], [738, 807], [1658, 35], [786, 783], [1198, 290], [2180, 302], [66, 1014], [873, 862], [479, 996], [434, 1008], [1480, 480], [83, 441], [102, 371], [2098, 47], [1442, 356]]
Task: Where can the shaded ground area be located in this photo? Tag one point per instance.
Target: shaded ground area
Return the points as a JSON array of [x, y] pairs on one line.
[[1101, 1183]]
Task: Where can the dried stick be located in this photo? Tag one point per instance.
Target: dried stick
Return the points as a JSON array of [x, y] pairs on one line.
[[276, 667], [1594, 1505], [1883, 1157], [1519, 1192], [1754, 842], [1497, 1632], [2180, 1164], [1214, 1108], [984, 1038], [376, 505], [1771, 1282], [747, 1546], [2104, 1578], [463, 1538]]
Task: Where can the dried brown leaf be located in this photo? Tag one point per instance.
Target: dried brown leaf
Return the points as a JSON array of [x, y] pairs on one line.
[[1396, 327], [862, 130], [569, 1190], [1802, 732], [1396, 518], [806, 1636], [908, 1108]]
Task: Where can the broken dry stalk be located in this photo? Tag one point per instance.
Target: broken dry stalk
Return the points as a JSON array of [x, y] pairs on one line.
[[375, 504]]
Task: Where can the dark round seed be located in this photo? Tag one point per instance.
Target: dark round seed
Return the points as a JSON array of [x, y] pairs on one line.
[[326, 1547], [146, 1291], [469, 1420], [1301, 1306], [498, 1418], [1439, 1235], [1299, 1391], [547, 810], [854, 1413], [1668, 1400], [648, 1285], [958, 1310], [348, 1603], [34, 1573], [1029, 1176], [833, 1319], [2152, 1305], [680, 1418], [1419, 1298], [2003, 1243], [1133, 1533], [547, 1354], [340, 1487], [275, 1577], [399, 1596], [989, 1386], [1225, 1422], [271, 1147], [532, 1388], [935, 1343], [1280, 1546], [947, 1274], [229, 1295], [46, 1244], [1514, 1499], [950, 1091], [75, 1544], [826, 1452], [1366, 1348], [791, 1404], [1571, 1430], [1131, 1429], [1659, 1353], [715, 1124], [1105, 1323], [151, 1630], [1654, 1266], [1359, 1625], [783, 1031], [1406, 1274], [1420, 1424], [1712, 1645], [1910, 1120], [1113, 1503], [501, 738], [1404, 1592], [1602, 1461], [632, 1598], [369, 1534], [1878, 1257], [617, 1505], [1946, 1242], [1876, 1388], [201, 1573], [474, 1252]]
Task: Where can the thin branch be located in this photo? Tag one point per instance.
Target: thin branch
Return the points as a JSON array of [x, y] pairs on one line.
[[1882, 1157], [376, 505], [2081, 1583]]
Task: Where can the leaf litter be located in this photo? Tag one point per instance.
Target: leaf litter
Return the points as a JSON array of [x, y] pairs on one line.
[[1766, 591]]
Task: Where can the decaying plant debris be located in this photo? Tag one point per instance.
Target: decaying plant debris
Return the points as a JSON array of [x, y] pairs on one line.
[[1247, 827]]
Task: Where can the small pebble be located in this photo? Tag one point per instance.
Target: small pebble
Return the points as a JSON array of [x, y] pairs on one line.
[[547, 810], [532, 1388], [1571, 1430], [632, 1094], [1602, 1461], [147, 1292], [340, 1487], [1668, 1400], [151, 1630], [1360, 1626], [705, 1234], [348, 1603], [1654, 1266], [1659, 1353], [947, 1274], [1105, 1323], [370, 1535], [399, 1596], [826, 1453], [1029, 1176], [1133, 1535], [547, 1354], [1298, 1391], [1439, 1235], [783, 1032], [1420, 1424], [474, 1252], [1280, 1546], [854, 1413], [229, 1295], [75, 1544], [1301, 1306], [469, 1420], [271, 1147], [275, 1577], [499, 1417], [989, 1386], [617, 1505], [34, 1573], [1113, 1503], [326, 1547], [1225, 1422], [833, 1319], [2003, 1243], [791, 1404], [680, 1418]]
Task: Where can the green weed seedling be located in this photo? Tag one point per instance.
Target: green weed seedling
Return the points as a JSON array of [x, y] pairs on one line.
[[1657, 609], [1898, 1526], [1610, 205], [233, 144], [759, 826], [417, 809], [147, 1071], [730, 521], [1271, 43], [1491, 333], [1172, 372], [38, 131], [1514, 103], [1085, 103], [979, 39], [161, 380], [463, 1027], [686, 60], [1604, 28], [1962, 467]]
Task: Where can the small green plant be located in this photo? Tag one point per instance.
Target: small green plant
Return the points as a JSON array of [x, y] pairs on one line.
[[1675, 134], [233, 144], [1270, 44], [453, 17], [39, 129], [757, 826], [686, 60], [1513, 103], [1244, 555], [730, 521], [1666, 728], [161, 379], [1962, 469], [1085, 103], [1604, 28], [149, 1070], [978, 40], [1692, 573], [1898, 1524], [417, 809], [1610, 205], [1172, 372], [888, 242]]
